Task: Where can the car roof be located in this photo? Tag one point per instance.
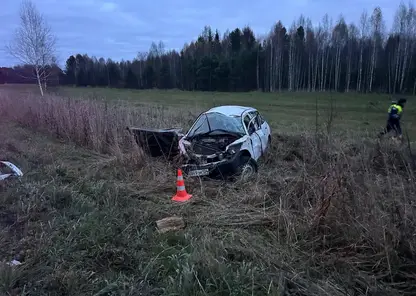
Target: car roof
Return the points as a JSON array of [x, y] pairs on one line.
[[231, 110]]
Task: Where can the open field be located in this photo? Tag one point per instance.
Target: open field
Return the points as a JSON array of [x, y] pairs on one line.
[[329, 214], [351, 113]]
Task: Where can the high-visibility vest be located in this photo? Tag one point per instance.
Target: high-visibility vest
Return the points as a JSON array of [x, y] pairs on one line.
[[395, 111]]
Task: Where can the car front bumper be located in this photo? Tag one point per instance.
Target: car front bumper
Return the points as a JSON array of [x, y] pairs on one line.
[[225, 167]]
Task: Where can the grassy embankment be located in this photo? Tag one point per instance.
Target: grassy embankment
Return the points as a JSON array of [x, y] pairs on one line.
[[330, 214]]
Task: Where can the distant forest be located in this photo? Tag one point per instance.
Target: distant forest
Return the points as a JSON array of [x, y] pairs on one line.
[[336, 55]]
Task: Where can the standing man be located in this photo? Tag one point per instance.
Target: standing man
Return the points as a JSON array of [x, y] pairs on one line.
[[394, 115]]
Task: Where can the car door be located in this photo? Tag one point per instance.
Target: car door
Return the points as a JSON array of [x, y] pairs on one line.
[[255, 138], [264, 131]]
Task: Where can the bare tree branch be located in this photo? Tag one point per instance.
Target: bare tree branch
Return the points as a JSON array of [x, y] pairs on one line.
[[34, 43]]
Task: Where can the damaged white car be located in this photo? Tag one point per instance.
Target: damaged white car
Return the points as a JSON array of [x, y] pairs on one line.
[[223, 141]]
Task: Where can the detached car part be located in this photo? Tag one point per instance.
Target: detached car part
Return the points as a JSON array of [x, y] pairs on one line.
[[158, 142], [13, 171], [223, 141]]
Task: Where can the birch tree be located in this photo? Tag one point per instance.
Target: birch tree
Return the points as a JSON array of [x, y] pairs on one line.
[[311, 50], [34, 43], [279, 38], [377, 25], [339, 38], [363, 39], [352, 46], [292, 57], [401, 53], [409, 16], [324, 44]]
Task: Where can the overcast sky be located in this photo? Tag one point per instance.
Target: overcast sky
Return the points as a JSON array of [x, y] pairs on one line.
[[119, 29]]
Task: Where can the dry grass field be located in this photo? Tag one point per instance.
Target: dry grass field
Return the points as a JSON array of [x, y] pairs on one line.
[[332, 211]]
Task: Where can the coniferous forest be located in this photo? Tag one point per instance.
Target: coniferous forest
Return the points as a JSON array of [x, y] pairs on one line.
[[335, 55]]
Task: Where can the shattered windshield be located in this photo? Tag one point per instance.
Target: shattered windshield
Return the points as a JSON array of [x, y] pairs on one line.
[[217, 122]]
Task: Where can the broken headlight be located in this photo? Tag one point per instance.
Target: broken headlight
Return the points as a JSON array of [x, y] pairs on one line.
[[231, 151], [234, 149]]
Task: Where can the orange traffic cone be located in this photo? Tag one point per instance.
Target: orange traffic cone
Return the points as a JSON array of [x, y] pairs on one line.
[[181, 194]]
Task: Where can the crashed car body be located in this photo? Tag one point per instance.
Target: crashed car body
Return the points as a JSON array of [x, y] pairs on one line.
[[223, 141]]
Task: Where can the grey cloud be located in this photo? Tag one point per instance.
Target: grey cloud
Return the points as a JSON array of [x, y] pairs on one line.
[[120, 29]]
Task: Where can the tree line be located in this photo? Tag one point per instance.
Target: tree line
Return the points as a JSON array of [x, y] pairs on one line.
[[25, 74], [334, 55]]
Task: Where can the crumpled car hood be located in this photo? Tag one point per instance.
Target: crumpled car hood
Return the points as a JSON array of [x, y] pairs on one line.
[[183, 142]]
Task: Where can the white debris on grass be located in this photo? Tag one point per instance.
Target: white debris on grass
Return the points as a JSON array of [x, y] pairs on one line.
[[14, 263], [15, 170]]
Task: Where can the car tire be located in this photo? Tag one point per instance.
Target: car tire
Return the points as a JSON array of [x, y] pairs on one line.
[[247, 169]]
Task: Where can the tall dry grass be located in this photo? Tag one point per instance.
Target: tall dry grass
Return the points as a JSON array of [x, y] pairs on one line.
[[351, 205], [93, 123], [324, 217], [335, 220]]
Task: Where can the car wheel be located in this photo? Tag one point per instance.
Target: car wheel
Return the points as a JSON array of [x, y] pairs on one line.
[[247, 170]]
